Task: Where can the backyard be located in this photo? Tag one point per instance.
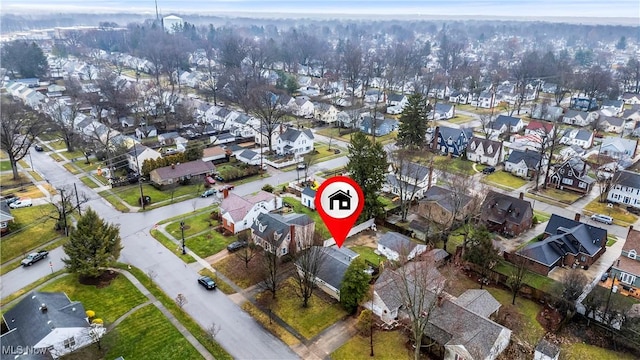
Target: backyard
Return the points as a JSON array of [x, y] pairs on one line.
[[387, 345]]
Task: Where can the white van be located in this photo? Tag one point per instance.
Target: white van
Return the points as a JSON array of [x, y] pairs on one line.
[[602, 218]]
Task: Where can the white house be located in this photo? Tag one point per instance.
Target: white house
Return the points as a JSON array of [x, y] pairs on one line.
[[484, 151], [579, 118], [524, 164], [618, 148], [145, 131], [611, 124], [579, 137], [137, 155], [631, 98], [326, 113], [171, 23], [308, 198], [444, 111], [393, 245], [303, 107], [294, 142], [506, 124], [626, 189], [239, 213], [486, 100], [410, 181], [47, 322], [249, 157]]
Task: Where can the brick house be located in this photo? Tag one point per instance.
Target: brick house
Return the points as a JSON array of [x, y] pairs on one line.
[[172, 174], [283, 234], [627, 267], [506, 214]]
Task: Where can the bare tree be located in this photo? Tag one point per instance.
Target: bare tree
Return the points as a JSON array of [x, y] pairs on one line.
[[19, 126], [405, 177], [267, 105], [213, 330], [309, 263], [550, 135], [181, 300], [62, 117], [248, 252], [353, 65], [67, 203], [486, 125], [571, 287], [517, 277], [272, 269]]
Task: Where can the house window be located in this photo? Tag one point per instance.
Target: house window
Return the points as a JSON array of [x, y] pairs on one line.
[[633, 254], [284, 251], [567, 181], [583, 258], [459, 357], [69, 343], [582, 185], [627, 278]]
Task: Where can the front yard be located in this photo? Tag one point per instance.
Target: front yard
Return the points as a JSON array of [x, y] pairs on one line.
[[31, 228], [619, 214], [504, 180], [567, 197], [391, 345]]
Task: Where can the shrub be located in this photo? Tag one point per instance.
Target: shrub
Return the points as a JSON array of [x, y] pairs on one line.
[[364, 323], [97, 321], [268, 188], [535, 220], [91, 314]]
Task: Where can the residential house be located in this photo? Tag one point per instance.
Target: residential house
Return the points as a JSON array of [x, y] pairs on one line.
[[444, 206], [632, 114], [546, 351], [578, 137], [215, 154], [571, 175], [169, 138], [146, 131], [567, 242], [452, 141], [627, 267], [239, 213], [549, 88], [542, 128], [336, 261], [373, 96], [579, 118], [138, 154], [458, 97], [616, 106], [294, 142], [618, 148], [636, 130], [547, 112], [303, 107], [244, 126], [172, 174], [223, 138], [397, 247], [486, 100], [283, 234], [572, 151], [444, 111], [249, 157], [308, 198], [346, 120], [5, 217], [381, 128], [531, 142], [524, 164], [506, 214], [410, 181], [584, 103], [326, 113], [47, 325], [611, 124], [631, 98], [484, 151], [506, 124], [458, 331], [397, 100], [625, 189]]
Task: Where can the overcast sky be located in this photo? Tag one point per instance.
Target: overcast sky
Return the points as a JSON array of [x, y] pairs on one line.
[[525, 8]]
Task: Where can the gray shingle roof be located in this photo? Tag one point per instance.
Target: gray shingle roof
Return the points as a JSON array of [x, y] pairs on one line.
[[336, 262], [496, 146], [531, 158], [279, 224], [629, 178], [292, 134], [547, 348], [397, 242], [500, 208], [309, 192], [192, 168], [454, 133], [503, 120], [478, 301], [446, 198]]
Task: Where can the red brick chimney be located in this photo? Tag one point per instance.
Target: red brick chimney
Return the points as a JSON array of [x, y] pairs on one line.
[[225, 193], [577, 217]]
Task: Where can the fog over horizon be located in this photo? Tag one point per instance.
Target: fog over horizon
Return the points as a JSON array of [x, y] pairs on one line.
[[616, 11]]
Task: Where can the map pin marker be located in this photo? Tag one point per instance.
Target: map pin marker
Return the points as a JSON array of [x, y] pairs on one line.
[[339, 201]]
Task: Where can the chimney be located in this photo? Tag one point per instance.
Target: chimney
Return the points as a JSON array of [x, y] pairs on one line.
[[292, 231], [173, 166], [630, 229], [225, 193], [521, 197], [43, 307], [440, 300], [577, 217]]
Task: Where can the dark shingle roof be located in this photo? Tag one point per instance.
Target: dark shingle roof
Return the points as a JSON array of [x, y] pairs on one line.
[[547, 348], [446, 198], [397, 242], [280, 224], [500, 208], [496, 146], [309, 192], [191, 168], [453, 133], [629, 178], [336, 262], [531, 158], [292, 134], [503, 120]]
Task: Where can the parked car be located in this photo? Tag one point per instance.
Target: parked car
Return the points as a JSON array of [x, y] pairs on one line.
[[301, 166], [10, 198], [21, 203], [604, 277], [236, 245], [34, 258], [219, 178], [38, 148], [207, 282], [208, 193], [602, 218], [228, 187], [489, 170]]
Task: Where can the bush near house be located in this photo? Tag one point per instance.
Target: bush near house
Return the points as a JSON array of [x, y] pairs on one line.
[[237, 171]]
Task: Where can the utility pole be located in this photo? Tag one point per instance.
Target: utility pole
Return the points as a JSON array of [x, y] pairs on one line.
[[75, 188], [184, 251], [135, 153], [606, 308], [64, 212]]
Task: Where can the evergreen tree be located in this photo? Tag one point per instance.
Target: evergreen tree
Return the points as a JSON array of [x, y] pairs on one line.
[[93, 245], [367, 166], [413, 123], [482, 252], [23, 58], [354, 285]]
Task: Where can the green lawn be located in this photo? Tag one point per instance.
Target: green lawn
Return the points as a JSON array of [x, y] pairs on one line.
[[148, 334], [5, 165], [56, 157], [542, 216], [174, 247], [108, 302], [74, 154], [451, 164], [31, 228], [580, 351], [611, 240], [505, 180], [193, 225], [57, 145], [114, 200], [387, 345], [301, 209], [36, 176], [270, 325], [567, 197], [131, 194], [368, 254], [205, 245], [325, 154], [620, 215], [72, 169], [532, 331], [220, 284], [532, 279], [308, 321], [89, 182], [460, 119]]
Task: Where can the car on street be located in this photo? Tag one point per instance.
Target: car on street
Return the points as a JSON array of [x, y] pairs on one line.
[[34, 258], [38, 148], [207, 282], [228, 187], [21, 203], [236, 245], [489, 170], [208, 193], [602, 218], [301, 166]]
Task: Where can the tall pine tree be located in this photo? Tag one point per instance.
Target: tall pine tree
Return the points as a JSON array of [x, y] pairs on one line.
[[93, 245], [355, 285], [413, 123], [368, 166]]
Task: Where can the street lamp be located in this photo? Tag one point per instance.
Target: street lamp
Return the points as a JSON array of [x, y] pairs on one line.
[[184, 251]]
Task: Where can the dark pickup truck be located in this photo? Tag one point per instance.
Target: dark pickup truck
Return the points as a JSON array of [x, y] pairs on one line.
[[34, 258]]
